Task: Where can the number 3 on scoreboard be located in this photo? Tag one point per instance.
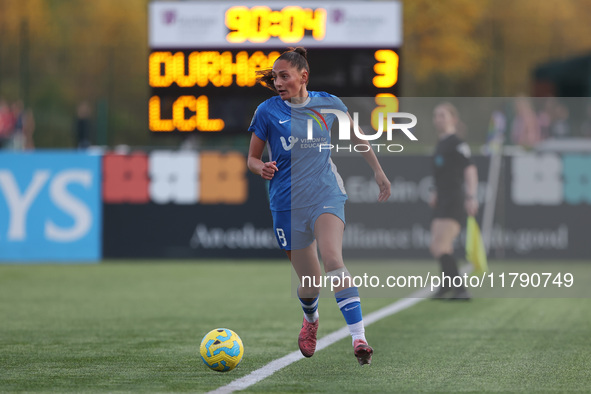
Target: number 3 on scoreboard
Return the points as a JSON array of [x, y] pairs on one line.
[[386, 68]]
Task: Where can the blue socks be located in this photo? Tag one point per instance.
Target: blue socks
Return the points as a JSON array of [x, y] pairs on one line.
[[310, 309], [350, 306]]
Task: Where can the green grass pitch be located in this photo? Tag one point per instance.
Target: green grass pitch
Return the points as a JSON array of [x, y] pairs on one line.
[[136, 326]]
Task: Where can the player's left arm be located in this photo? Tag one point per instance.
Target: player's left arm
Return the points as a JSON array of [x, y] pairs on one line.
[[371, 159], [470, 189]]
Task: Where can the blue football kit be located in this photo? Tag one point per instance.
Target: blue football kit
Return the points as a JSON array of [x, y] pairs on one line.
[[307, 183]]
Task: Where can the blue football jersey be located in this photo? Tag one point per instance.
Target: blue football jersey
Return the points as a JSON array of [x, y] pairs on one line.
[[306, 175]]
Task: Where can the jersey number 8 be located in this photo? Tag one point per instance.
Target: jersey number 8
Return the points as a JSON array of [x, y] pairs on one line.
[[281, 236]]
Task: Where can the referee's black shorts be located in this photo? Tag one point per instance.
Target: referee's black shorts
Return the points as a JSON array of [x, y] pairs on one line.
[[450, 208]]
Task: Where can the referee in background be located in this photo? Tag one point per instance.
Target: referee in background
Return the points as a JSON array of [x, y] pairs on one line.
[[454, 196]]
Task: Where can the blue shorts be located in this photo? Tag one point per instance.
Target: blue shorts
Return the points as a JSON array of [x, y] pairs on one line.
[[295, 229]]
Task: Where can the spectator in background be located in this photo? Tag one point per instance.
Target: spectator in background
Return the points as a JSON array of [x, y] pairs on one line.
[[554, 119], [544, 117], [28, 129], [525, 128], [18, 117], [82, 125], [16, 126], [560, 127], [6, 124], [497, 127]]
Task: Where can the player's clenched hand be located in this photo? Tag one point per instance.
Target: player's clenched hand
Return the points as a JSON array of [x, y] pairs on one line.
[[269, 169], [384, 184]]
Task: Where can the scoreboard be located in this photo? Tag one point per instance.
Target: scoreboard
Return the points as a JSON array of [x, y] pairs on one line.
[[204, 56]]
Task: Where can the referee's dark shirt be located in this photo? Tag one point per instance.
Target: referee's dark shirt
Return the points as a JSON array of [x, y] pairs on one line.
[[452, 156]]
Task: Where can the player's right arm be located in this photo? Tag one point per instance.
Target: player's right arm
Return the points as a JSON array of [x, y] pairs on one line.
[[255, 152]]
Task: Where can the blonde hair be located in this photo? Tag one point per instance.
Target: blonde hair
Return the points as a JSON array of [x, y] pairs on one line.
[[455, 114]]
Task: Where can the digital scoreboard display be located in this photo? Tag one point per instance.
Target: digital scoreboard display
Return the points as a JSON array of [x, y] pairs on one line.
[[204, 56]]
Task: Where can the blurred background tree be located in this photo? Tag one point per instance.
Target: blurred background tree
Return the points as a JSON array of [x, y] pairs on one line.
[[440, 48], [56, 54], [487, 47]]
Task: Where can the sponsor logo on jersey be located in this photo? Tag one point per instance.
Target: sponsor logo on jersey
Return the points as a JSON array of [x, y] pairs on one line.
[[292, 141]]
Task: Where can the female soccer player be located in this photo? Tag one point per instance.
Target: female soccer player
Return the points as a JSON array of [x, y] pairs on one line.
[[306, 193], [456, 181]]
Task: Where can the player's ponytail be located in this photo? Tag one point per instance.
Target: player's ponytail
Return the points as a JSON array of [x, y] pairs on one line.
[[297, 57], [302, 51]]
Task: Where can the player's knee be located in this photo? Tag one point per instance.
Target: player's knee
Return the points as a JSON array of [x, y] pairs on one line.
[[310, 286], [332, 263]]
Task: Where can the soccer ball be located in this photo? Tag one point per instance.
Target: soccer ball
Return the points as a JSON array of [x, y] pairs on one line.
[[221, 349]]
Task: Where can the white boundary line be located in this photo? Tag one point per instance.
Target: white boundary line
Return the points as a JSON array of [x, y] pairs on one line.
[[343, 332]]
